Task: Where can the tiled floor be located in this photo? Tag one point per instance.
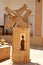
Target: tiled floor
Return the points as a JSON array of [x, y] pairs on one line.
[[36, 56]]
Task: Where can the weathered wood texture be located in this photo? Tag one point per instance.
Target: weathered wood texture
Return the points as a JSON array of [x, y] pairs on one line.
[[20, 56], [4, 52], [19, 16]]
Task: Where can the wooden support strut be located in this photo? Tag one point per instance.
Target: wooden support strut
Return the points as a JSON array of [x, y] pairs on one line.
[[17, 16]]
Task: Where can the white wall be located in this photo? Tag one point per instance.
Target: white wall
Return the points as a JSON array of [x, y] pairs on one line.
[[1, 14], [15, 4]]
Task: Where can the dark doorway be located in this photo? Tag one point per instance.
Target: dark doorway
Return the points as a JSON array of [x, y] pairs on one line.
[[22, 43]]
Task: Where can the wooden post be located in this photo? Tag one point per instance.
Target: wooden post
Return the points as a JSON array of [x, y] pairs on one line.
[[38, 18]]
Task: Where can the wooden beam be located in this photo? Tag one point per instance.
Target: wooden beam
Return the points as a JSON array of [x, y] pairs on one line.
[[38, 18], [27, 14], [15, 16], [21, 9]]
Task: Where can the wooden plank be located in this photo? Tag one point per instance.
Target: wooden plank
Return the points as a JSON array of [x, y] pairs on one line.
[[21, 9], [4, 52]]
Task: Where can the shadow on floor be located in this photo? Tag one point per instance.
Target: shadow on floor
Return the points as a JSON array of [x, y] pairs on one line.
[[30, 63], [4, 60], [36, 47]]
